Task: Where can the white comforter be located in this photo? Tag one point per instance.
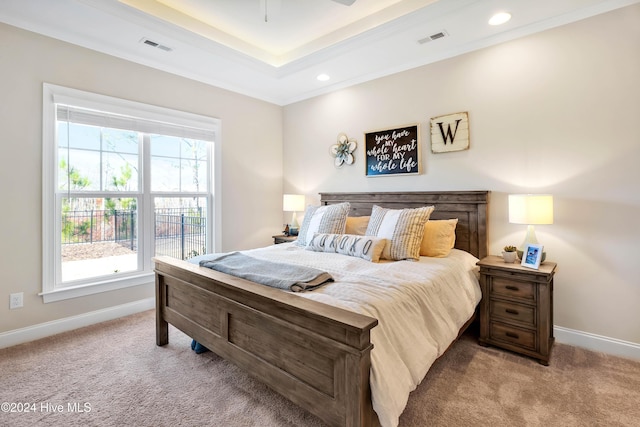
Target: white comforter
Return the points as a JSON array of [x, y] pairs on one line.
[[420, 307]]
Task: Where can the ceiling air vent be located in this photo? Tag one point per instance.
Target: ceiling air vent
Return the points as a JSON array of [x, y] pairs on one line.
[[433, 37], [155, 44]]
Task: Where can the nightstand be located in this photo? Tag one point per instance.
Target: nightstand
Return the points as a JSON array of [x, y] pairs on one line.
[[283, 239], [516, 311]]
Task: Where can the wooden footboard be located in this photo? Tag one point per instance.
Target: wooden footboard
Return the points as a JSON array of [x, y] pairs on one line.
[[315, 355]]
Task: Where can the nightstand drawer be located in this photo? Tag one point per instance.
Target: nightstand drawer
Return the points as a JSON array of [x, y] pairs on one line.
[[512, 335], [513, 312], [512, 289]]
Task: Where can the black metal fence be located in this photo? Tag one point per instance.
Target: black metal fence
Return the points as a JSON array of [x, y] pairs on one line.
[[100, 225], [179, 232]]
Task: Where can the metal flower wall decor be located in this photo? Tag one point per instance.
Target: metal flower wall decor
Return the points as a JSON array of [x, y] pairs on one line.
[[343, 150]]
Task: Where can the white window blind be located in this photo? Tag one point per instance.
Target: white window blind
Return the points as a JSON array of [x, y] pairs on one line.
[[117, 121]]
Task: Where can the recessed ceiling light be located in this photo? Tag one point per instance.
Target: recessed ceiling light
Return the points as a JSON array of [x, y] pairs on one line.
[[323, 77], [499, 18]]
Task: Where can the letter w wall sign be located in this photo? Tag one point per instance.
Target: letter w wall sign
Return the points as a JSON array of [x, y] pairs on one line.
[[450, 133]]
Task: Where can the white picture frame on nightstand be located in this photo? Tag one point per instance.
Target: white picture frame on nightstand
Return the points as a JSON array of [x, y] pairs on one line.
[[532, 255]]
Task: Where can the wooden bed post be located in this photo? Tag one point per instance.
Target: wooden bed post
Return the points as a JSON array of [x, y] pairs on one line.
[[360, 412], [162, 327]]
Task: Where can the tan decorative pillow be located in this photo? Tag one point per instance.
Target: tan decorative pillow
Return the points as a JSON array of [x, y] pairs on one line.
[[439, 237], [356, 225], [365, 247], [403, 227], [322, 219]]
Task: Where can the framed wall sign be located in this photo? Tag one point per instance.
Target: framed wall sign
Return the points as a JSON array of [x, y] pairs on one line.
[[393, 151], [450, 133]]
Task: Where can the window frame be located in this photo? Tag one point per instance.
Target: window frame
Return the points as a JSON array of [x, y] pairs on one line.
[[51, 208]]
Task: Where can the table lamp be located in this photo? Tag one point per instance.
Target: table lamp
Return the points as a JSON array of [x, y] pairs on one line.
[[293, 203], [530, 209]]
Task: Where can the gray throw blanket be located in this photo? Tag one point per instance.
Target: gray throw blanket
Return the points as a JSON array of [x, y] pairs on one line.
[[289, 277]]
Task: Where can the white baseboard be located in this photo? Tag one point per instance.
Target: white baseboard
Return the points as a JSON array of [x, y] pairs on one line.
[[42, 330], [599, 343], [18, 336]]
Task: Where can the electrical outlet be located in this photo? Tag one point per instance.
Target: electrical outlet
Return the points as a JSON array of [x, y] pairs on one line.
[[15, 300]]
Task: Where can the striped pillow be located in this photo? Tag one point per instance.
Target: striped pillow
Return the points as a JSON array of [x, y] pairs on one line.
[[402, 227], [322, 219]]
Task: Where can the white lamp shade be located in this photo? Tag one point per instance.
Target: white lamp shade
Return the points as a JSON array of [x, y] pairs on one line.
[[293, 203], [531, 209]]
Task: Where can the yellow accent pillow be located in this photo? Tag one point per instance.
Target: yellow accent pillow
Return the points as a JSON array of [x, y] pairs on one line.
[[356, 225], [439, 237]]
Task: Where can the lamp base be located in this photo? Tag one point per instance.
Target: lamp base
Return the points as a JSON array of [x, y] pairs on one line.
[[530, 238], [294, 221]]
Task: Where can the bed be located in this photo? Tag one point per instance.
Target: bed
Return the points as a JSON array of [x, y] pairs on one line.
[[315, 353]]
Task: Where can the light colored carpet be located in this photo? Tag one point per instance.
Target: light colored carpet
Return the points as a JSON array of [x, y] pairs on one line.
[[126, 380]]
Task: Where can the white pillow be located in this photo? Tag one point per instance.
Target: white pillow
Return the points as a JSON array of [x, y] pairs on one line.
[[404, 229], [322, 219], [365, 247]]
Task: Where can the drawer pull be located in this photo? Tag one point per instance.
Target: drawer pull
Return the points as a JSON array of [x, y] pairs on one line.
[[512, 288], [512, 335], [512, 311]]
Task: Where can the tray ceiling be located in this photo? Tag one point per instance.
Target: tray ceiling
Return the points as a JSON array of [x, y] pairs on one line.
[[274, 49]]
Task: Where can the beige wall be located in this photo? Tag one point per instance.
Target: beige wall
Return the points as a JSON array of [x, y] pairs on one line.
[[251, 153], [554, 112]]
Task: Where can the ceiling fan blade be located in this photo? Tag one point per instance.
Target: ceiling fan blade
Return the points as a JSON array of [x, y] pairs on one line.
[[345, 2]]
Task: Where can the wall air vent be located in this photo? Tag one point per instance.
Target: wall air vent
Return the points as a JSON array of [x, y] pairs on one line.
[[433, 37], [155, 44]]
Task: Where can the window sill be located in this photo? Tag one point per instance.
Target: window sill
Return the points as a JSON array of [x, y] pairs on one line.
[[95, 288]]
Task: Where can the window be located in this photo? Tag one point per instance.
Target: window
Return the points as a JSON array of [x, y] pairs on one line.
[[122, 182]]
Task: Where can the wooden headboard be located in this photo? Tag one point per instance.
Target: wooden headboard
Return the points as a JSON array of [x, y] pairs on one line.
[[470, 207]]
